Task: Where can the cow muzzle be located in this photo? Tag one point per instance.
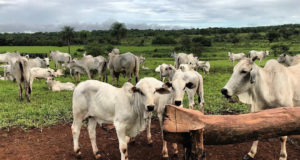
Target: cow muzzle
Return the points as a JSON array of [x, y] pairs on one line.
[[224, 91], [150, 108], [177, 103]]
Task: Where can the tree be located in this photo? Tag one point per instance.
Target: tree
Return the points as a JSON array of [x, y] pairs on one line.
[[118, 30], [272, 36], [68, 35], [83, 36], [185, 43], [279, 49]]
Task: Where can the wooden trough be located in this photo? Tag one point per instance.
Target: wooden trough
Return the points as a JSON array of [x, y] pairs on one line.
[[193, 129]]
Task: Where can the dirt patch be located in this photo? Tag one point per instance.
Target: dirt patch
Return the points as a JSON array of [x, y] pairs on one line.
[[56, 143]]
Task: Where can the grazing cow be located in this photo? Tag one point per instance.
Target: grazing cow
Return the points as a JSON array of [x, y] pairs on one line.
[[186, 67], [20, 71], [126, 63], [204, 66], [259, 54], [60, 58], [142, 62], [40, 73], [88, 64], [5, 57], [38, 62], [190, 82], [160, 101], [183, 58], [59, 86], [289, 60], [235, 56], [272, 86], [127, 108]]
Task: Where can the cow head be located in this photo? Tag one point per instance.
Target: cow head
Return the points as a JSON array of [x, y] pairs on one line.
[[243, 76], [145, 93], [282, 58], [166, 70], [267, 53], [178, 87]]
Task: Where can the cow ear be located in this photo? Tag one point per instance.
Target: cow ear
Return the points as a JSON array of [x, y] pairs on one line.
[[284, 54], [162, 90], [252, 76], [136, 90], [190, 85], [167, 85], [254, 58]]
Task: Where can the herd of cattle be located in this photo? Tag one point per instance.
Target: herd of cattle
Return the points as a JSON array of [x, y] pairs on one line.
[[130, 107]]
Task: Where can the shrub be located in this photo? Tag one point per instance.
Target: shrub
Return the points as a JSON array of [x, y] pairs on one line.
[[163, 40], [279, 49], [94, 49]]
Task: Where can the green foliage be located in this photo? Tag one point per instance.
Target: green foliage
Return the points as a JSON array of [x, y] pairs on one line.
[[67, 35], [161, 39], [119, 31], [272, 36], [94, 49], [279, 49]]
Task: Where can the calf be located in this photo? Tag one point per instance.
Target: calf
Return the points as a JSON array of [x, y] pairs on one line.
[[127, 108], [165, 70], [59, 86], [204, 66], [185, 67], [40, 73], [235, 56], [190, 82], [289, 60]]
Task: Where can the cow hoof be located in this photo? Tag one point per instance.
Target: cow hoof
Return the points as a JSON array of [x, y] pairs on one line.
[[98, 156], [165, 158], [150, 144], [78, 154], [175, 155], [247, 157]]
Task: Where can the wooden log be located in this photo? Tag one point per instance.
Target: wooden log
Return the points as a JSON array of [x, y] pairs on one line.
[[229, 129]]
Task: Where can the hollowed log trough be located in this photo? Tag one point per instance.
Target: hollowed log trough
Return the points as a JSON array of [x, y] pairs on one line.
[[193, 129]]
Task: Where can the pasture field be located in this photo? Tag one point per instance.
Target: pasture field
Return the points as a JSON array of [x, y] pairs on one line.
[[48, 108]]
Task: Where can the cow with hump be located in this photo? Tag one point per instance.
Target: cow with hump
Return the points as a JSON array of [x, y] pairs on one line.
[[272, 86], [127, 108]]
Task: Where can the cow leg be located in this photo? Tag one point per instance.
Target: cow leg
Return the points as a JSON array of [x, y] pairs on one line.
[[251, 154], [191, 94], [20, 92], [165, 153], [92, 133], [76, 126], [27, 90], [283, 154], [122, 141], [128, 75], [117, 76], [149, 131], [88, 73], [175, 150], [112, 77]]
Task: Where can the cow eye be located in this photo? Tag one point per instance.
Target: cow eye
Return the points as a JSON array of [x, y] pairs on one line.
[[243, 71]]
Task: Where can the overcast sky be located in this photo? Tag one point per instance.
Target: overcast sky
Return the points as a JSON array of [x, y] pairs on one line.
[[51, 15]]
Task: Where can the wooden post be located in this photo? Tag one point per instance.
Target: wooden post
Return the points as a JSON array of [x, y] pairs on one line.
[[188, 127]]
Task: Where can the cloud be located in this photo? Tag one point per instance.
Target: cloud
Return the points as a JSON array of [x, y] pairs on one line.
[[40, 15]]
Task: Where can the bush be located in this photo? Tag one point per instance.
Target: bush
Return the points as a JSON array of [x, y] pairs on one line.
[[163, 40], [279, 49], [203, 41], [94, 49], [272, 36]]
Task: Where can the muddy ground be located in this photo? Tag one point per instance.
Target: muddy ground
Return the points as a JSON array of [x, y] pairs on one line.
[[55, 143]]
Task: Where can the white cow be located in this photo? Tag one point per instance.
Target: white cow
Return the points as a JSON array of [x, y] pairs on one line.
[[289, 60], [190, 82], [20, 72], [7, 72], [259, 54], [165, 70], [60, 58], [182, 58], [5, 57], [160, 100], [58, 73], [272, 86], [40, 73], [59, 86], [38, 62], [235, 56], [127, 108], [186, 67], [142, 62], [204, 66]]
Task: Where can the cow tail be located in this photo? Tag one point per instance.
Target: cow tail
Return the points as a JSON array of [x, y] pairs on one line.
[[137, 69], [21, 70]]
